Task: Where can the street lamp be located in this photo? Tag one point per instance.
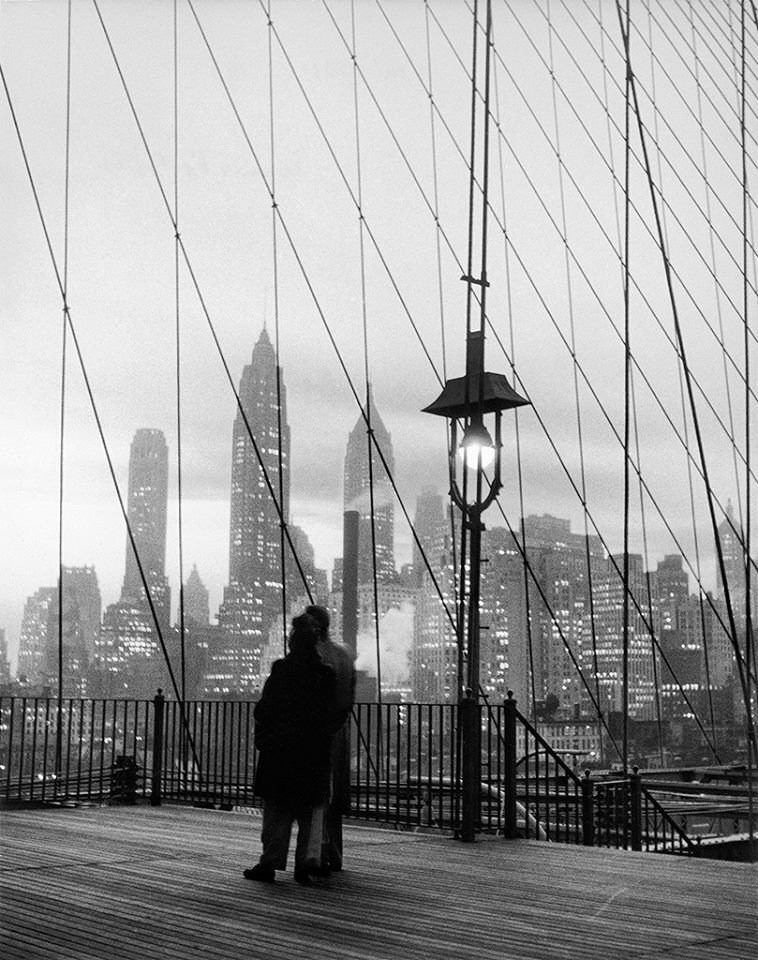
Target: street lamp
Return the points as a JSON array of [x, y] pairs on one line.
[[467, 401]]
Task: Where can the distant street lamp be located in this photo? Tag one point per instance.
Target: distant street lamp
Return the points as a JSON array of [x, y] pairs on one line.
[[469, 400]]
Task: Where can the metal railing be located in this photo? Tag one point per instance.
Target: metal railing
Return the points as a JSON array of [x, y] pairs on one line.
[[404, 769], [51, 751], [549, 795]]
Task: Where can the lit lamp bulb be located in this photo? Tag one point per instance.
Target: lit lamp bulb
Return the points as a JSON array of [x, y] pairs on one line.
[[477, 449]]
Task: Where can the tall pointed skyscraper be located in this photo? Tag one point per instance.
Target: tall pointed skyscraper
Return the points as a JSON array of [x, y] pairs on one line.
[[128, 660], [147, 508], [358, 496], [253, 598]]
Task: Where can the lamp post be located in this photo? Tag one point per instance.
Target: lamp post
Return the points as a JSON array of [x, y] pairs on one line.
[[468, 401]]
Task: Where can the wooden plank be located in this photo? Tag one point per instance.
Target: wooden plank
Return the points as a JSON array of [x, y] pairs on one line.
[[151, 883]]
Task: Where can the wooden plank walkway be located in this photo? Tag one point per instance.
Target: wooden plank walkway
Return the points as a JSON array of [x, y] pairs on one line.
[[141, 882]]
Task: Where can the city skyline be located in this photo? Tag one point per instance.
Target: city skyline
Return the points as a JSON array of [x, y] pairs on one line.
[[430, 532], [394, 312]]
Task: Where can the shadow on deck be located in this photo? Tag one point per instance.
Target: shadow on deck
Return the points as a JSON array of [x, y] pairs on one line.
[[136, 882]]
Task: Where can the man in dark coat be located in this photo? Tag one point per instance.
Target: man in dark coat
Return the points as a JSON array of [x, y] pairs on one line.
[[328, 820], [294, 721]]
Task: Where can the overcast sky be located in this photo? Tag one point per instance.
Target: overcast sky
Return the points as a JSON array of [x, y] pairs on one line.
[[120, 268]]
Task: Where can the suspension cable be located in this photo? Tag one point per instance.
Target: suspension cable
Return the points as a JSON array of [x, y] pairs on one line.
[[177, 305], [749, 651], [719, 313], [438, 234], [568, 474], [367, 376], [555, 450], [696, 422], [95, 412], [640, 161], [572, 328], [62, 430], [654, 394], [672, 166], [512, 358], [201, 299], [312, 293], [275, 269]]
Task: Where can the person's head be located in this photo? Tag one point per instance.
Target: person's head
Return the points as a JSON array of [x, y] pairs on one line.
[[320, 617], [303, 636]]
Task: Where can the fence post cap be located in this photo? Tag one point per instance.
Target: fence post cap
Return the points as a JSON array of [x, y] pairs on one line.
[[510, 694], [586, 774]]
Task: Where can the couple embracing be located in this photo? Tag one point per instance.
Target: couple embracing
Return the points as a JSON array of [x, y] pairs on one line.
[[300, 733]]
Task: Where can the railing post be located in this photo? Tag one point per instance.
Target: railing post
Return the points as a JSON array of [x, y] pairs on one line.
[[156, 790], [509, 785], [588, 811], [471, 767], [635, 803]]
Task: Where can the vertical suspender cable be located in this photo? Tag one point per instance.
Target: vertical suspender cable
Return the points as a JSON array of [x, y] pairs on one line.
[[59, 707], [180, 531], [701, 600], [91, 395], [739, 659], [512, 361], [462, 581], [370, 436], [438, 231], [612, 166], [627, 387], [717, 290], [638, 454], [749, 651], [569, 289], [275, 269], [648, 586], [435, 176]]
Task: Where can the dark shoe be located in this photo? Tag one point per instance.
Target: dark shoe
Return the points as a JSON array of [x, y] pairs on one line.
[[314, 868], [302, 876], [262, 872]]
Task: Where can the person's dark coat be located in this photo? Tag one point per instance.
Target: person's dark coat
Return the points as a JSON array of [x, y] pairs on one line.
[[294, 720]]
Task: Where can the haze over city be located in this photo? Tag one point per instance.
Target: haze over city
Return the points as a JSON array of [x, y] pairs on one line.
[[120, 270]]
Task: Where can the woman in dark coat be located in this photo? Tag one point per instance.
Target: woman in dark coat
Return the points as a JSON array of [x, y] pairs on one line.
[[294, 720]]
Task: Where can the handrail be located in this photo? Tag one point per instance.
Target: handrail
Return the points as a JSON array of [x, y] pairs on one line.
[[551, 752], [403, 769], [649, 801]]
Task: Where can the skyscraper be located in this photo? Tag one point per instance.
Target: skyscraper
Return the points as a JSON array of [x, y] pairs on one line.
[[434, 659], [196, 599], [563, 564], [41, 636], [731, 536], [504, 638], [608, 590], [128, 656], [252, 599], [39, 629], [147, 508], [432, 530], [358, 484], [82, 608], [5, 670]]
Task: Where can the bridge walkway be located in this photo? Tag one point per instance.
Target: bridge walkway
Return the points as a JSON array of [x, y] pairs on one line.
[[141, 882]]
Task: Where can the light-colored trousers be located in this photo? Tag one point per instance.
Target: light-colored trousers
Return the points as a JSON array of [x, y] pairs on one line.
[[277, 830]]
